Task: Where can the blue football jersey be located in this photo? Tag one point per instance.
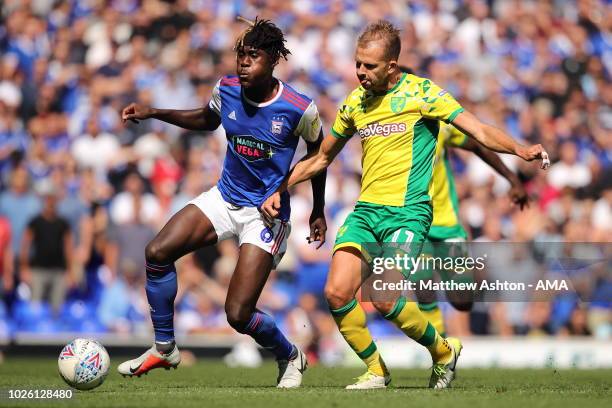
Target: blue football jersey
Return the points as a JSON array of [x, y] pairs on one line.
[[262, 139]]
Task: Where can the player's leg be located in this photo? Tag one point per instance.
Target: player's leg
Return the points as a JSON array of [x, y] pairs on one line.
[[186, 231], [456, 247], [251, 273], [442, 245], [428, 305], [405, 314], [343, 282], [261, 249], [426, 298]]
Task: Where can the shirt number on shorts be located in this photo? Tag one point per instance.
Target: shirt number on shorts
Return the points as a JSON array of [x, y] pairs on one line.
[[403, 236]]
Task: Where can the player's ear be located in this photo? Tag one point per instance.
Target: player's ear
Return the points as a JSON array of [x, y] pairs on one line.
[[393, 66], [270, 60]]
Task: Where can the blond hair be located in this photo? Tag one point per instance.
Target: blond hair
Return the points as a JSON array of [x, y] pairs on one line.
[[382, 30]]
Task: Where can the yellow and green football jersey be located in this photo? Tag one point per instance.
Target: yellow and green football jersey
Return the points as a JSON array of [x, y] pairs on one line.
[[445, 222], [398, 131]]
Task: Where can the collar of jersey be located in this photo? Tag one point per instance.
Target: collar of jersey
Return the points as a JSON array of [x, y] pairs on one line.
[[381, 93], [281, 86]]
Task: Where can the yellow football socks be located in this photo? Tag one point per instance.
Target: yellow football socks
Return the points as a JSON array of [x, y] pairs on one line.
[[409, 319], [351, 320], [432, 312]]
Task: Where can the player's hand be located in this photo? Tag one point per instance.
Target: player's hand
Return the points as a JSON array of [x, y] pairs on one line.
[[135, 113], [518, 195], [318, 228], [534, 152], [271, 207]]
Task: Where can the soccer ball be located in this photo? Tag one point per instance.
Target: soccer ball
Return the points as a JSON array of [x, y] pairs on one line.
[[83, 364]]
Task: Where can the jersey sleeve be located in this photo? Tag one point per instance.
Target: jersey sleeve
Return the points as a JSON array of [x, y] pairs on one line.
[[344, 125], [309, 126], [438, 104], [215, 100]]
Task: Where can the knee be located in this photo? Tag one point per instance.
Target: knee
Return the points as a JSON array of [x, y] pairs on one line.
[[156, 253], [336, 297], [238, 316], [384, 307]]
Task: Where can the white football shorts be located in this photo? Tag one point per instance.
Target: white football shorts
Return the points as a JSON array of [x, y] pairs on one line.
[[246, 223]]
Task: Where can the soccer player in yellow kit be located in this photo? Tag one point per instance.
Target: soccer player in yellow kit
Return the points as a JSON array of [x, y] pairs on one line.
[[396, 116]]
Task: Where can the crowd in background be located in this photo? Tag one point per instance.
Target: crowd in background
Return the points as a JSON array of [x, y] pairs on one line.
[[82, 193]]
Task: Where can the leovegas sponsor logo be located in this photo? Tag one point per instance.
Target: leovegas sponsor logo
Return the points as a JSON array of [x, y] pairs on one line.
[[376, 129]]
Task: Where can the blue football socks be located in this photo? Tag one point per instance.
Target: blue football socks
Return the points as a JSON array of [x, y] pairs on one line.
[[264, 331], [161, 290]]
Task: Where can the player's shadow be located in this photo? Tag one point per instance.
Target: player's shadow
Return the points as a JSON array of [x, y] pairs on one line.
[[408, 387]]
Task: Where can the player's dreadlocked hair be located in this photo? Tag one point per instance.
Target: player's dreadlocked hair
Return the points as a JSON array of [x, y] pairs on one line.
[[264, 35]]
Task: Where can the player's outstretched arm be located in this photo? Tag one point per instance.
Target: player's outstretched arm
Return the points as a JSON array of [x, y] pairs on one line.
[[304, 170], [518, 194], [193, 119], [496, 140], [313, 165]]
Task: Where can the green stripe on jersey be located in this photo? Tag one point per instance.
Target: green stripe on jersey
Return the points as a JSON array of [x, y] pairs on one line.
[[425, 133]]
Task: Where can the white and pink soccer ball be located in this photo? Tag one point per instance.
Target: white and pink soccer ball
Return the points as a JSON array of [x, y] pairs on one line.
[[83, 364]]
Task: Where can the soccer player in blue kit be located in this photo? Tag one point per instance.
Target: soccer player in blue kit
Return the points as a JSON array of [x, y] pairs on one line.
[[264, 119]]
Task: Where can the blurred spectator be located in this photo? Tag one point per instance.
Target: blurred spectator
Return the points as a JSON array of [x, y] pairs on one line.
[[201, 315], [96, 149], [577, 324], [123, 306], [569, 172], [19, 205], [123, 208], [47, 253], [537, 316], [6, 256], [601, 217], [92, 250], [124, 251], [308, 326]]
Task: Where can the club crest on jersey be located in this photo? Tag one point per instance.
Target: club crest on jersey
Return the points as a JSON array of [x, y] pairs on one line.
[[277, 124], [398, 103], [277, 127], [251, 149]]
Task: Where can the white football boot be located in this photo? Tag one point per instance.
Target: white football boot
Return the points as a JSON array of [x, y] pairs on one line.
[[148, 361], [442, 375], [370, 381], [290, 371]]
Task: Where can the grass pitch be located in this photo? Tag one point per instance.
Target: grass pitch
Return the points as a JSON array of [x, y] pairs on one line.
[[209, 383]]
